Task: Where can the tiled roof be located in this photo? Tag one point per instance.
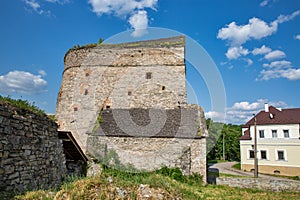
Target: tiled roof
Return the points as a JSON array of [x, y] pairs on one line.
[[246, 135], [274, 116]]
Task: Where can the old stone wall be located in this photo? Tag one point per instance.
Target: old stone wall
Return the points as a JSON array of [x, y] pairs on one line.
[[151, 153], [148, 139], [31, 155], [137, 92], [132, 75], [260, 183]]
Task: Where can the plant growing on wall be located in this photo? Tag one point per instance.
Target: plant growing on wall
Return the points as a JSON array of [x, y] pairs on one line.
[[98, 122]]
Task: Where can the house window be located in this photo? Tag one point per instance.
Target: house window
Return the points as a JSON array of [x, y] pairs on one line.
[[129, 93], [263, 154], [148, 75], [86, 92], [251, 154], [280, 155], [274, 133], [75, 109], [286, 133], [261, 134]]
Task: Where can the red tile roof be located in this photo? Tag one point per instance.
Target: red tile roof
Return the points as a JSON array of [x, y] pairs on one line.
[[246, 135], [274, 116]]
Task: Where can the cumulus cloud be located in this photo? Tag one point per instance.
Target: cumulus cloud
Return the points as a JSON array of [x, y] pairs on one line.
[[297, 37], [139, 22], [237, 35], [215, 116], [241, 112], [134, 8], [262, 50], [279, 69], [235, 52], [277, 54], [23, 82]]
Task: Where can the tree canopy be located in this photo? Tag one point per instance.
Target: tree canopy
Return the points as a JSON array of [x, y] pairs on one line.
[[231, 133]]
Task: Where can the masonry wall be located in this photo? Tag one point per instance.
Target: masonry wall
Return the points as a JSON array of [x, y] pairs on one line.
[[260, 183], [115, 76], [148, 139], [31, 155]]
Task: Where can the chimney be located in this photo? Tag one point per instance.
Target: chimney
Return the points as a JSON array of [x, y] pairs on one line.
[[266, 107]]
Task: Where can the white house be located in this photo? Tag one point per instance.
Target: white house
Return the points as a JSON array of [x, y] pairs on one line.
[[278, 142]]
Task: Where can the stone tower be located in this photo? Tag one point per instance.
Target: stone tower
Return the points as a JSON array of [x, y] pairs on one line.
[[141, 82]]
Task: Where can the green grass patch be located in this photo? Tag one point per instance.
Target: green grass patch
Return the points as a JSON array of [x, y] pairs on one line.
[[22, 104], [168, 182], [236, 166]]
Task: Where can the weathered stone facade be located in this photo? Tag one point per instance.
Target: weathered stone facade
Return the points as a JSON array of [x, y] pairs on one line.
[[140, 77], [31, 155]]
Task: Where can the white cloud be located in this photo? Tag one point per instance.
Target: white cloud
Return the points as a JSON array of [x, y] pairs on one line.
[[58, 1], [279, 69], [290, 74], [239, 34], [35, 5], [134, 8], [236, 52], [215, 116], [22, 82], [236, 35], [277, 54], [286, 18], [242, 111], [264, 3], [262, 50], [42, 73], [249, 61], [279, 64], [297, 37], [139, 22]]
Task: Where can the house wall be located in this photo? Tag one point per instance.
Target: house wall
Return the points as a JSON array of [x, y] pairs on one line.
[[290, 146]]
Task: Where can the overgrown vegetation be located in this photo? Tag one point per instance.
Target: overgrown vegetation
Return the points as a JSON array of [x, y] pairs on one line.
[[169, 182], [98, 122], [22, 104]]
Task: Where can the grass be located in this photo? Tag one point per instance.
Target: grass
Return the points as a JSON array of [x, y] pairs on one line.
[[114, 184], [22, 104], [236, 166]]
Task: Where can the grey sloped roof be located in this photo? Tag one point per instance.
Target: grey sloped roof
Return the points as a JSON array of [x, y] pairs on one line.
[[136, 122]]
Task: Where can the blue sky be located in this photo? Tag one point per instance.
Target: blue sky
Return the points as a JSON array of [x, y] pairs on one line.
[[254, 45]]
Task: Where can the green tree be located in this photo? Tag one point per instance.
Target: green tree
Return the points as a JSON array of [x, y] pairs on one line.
[[231, 134]]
